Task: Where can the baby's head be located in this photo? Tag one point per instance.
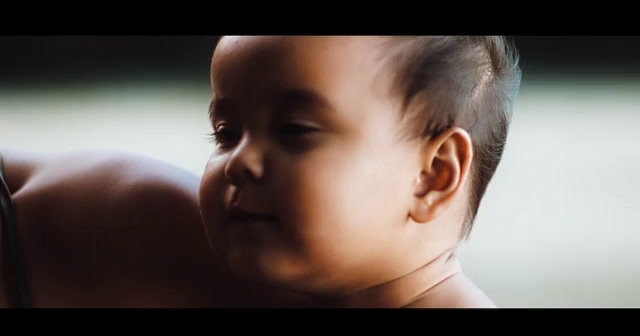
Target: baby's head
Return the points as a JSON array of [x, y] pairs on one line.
[[341, 163]]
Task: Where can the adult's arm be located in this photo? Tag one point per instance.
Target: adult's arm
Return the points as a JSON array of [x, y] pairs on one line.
[[110, 229]]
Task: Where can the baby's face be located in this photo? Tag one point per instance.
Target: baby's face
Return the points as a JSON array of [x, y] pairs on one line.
[[309, 147]]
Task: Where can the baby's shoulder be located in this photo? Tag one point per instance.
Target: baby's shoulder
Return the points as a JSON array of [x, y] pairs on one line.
[[457, 291]]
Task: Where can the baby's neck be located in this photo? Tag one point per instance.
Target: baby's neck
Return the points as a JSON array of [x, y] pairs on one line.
[[406, 290]]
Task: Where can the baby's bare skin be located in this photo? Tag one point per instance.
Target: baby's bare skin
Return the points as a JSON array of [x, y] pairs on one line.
[[109, 229], [344, 207]]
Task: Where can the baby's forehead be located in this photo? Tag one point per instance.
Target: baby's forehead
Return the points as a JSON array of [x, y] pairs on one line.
[[299, 44], [324, 63], [343, 72]]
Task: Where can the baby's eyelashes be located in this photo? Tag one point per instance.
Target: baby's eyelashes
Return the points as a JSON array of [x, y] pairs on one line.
[[296, 129], [225, 136], [291, 135], [297, 137]]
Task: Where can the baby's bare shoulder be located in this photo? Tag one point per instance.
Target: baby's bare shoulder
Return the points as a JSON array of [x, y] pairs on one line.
[[457, 291], [123, 224]]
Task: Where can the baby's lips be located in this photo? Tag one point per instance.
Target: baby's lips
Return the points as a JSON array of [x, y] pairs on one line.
[[246, 201], [231, 196], [245, 214]]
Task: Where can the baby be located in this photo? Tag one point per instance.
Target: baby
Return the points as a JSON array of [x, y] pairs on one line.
[[348, 169]]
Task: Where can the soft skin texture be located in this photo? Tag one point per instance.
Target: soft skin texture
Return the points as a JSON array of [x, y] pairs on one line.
[[353, 214], [108, 229]]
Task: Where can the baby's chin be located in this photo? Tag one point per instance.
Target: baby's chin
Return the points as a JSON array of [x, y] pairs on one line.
[[270, 263], [276, 267]]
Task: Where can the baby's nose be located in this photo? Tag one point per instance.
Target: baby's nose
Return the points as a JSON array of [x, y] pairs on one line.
[[246, 163]]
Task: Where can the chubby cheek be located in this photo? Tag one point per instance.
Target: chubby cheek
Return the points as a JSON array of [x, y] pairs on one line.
[[340, 208], [212, 193]]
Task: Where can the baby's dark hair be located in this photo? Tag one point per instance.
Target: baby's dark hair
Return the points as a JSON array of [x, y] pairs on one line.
[[468, 82]]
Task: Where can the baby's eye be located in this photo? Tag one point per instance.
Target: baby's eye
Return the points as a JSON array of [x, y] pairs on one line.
[[297, 137], [225, 136], [295, 129]]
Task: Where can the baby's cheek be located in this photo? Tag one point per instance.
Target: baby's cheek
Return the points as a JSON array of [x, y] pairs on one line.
[[212, 192], [329, 197], [210, 189], [307, 193]]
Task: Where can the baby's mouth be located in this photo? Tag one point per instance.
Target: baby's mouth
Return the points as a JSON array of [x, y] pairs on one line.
[[250, 227], [239, 215]]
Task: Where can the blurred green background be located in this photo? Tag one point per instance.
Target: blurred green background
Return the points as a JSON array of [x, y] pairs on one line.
[[556, 228]]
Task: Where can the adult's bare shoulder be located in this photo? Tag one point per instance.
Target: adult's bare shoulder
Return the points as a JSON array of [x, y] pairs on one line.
[[107, 228]]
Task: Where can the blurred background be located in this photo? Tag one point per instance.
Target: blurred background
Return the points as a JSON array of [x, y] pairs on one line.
[[558, 223]]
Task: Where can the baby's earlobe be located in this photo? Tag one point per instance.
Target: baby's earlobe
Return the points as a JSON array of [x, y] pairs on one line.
[[419, 211]]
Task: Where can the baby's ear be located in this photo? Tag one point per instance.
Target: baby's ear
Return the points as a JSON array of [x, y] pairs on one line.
[[445, 168]]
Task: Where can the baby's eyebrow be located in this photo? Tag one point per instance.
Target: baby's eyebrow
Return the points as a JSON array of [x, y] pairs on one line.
[[280, 97], [211, 110], [218, 105], [299, 97]]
